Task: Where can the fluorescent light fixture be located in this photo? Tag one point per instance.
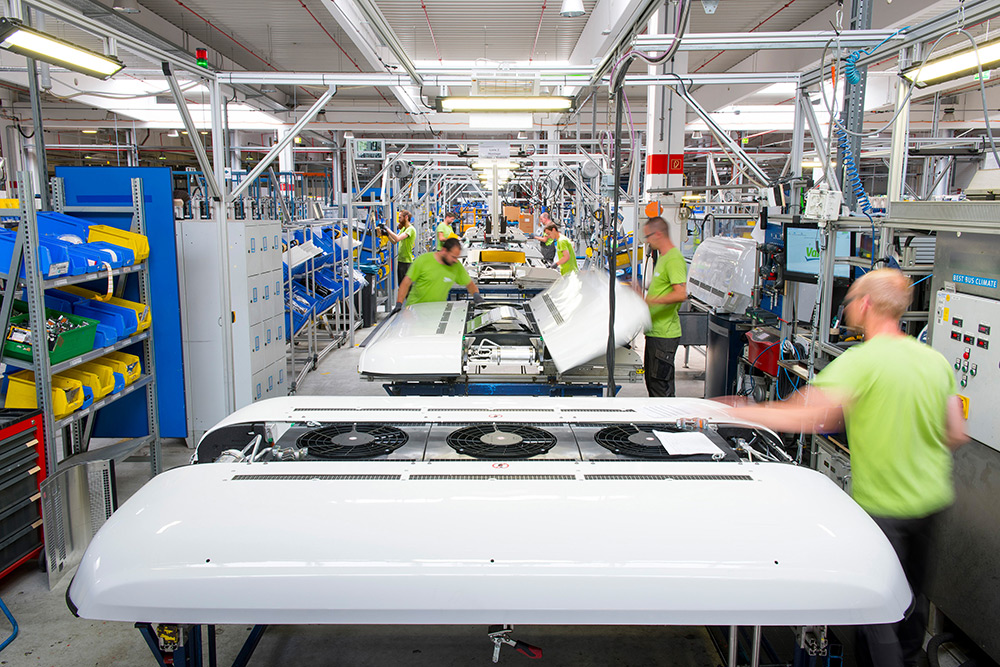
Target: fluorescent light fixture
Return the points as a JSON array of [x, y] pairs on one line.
[[497, 103], [954, 66], [816, 164], [89, 131], [501, 164], [126, 6], [173, 133], [571, 9], [28, 42]]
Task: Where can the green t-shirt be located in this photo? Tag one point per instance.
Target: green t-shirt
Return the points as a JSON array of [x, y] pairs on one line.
[[406, 245], [563, 246], [444, 228], [432, 280], [670, 270], [897, 390]]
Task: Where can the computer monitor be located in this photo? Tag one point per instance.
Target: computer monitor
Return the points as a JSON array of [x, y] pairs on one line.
[[802, 260]]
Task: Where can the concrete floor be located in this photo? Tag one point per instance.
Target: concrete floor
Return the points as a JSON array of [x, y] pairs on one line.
[[51, 635]]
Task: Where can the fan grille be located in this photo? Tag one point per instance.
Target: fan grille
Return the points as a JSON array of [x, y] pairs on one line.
[[352, 441], [635, 441], [501, 441]]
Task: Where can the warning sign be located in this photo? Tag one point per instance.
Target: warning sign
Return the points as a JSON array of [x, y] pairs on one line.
[[665, 163]]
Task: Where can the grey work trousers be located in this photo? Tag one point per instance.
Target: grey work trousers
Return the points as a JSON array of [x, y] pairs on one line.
[[899, 644]]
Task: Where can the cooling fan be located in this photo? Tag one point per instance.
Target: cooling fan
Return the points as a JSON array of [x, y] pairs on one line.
[[352, 441], [501, 441]]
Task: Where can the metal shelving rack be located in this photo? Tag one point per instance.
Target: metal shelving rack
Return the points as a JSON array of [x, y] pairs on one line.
[[72, 433]]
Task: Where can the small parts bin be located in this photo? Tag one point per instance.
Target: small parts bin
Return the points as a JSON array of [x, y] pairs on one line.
[[67, 393], [137, 243], [122, 362], [63, 344], [137, 316]]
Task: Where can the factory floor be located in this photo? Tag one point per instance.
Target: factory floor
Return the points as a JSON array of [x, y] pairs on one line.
[[51, 635]]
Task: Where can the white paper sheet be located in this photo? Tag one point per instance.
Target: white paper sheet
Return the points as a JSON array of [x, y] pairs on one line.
[[685, 444]]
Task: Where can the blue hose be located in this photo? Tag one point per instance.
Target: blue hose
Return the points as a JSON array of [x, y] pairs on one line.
[[851, 72], [13, 622]]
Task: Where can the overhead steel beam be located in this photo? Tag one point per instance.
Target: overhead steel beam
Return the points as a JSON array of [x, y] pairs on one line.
[[193, 136], [976, 11], [722, 78], [283, 142], [743, 41]]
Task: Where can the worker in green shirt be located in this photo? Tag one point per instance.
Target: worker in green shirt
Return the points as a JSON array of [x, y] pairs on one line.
[[667, 290], [565, 258], [406, 238], [547, 246], [897, 399], [432, 276], [445, 229]]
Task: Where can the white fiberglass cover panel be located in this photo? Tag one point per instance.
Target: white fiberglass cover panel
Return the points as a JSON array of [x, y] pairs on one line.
[[402, 542], [464, 409], [722, 273], [422, 339], [572, 317]]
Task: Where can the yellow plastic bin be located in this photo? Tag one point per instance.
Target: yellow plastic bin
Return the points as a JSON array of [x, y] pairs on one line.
[[106, 375], [137, 242], [99, 378], [123, 362], [144, 318], [67, 393]]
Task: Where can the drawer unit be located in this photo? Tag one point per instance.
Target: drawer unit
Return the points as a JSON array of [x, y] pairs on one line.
[[22, 469]]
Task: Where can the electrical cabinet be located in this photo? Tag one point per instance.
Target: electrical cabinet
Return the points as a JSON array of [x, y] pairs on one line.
[[833, 462], [966, 330], [257, 299]]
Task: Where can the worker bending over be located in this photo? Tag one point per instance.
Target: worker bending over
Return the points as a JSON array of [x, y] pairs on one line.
[[897, 399], [432, 276], [667, 289], [546, 245], [406, 238], [445, 229], [565, 258]]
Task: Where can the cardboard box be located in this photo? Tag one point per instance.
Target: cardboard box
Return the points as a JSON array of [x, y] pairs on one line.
[[527, 224]]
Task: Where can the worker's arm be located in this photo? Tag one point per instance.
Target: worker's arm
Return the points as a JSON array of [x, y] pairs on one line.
[[396, 238], [477, 296], [404, 289], [441, 237], [955, 435], [811, 410], [676, 294], [563, 258]]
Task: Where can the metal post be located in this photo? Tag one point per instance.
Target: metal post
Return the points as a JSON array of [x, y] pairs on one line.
[[930, 163], [41, 163], [819, 141], [193, 137], [149, 360], [221, 215], [734, 644], [854, 99], [755, 649], [798, 142], [900, 135], [351, 214]]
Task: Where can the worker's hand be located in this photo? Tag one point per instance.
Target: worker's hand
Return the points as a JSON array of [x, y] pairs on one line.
[[637, 288], [398, 307], [381, 230], [477, 298]]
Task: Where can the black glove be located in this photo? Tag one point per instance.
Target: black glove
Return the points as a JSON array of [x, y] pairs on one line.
[[398, 307], [477, 298]]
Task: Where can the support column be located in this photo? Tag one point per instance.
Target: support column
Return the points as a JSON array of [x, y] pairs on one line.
[[853, 116], [666, 114]]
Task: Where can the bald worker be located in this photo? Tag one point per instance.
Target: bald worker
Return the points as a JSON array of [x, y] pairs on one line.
[[897, 399]]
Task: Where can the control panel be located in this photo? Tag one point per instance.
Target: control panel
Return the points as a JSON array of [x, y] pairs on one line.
[[962, 332]]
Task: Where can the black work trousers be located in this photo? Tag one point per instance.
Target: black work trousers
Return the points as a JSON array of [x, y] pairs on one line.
[[899, 644], [401, 269], [659, 366]]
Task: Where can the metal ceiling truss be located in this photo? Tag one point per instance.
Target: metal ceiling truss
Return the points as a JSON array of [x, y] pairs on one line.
[[975, 11], [742, 41]]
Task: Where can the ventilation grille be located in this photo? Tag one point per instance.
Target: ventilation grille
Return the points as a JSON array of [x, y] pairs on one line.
[[491, 477], [547, 300], [318, 478], [675, 478]]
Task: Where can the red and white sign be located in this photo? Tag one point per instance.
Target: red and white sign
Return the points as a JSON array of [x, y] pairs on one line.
[[665, 163]]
